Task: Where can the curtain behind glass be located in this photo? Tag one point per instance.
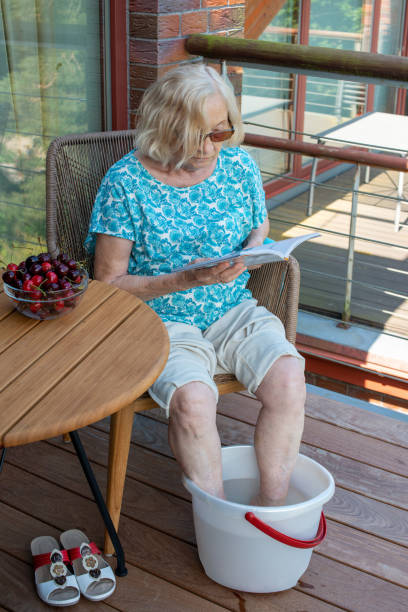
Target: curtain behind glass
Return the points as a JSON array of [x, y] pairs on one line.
[[50, 85]]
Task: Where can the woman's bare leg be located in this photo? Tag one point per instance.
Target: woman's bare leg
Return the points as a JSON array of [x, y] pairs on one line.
[[279, 428], [194, 438]]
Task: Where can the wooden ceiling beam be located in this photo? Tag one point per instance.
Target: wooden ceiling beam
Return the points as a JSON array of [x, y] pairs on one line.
[[258, 14]]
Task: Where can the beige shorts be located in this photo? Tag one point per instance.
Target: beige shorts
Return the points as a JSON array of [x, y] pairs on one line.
[[246, 342]]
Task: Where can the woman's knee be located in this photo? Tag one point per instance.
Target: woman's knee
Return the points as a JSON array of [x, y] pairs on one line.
[[285, 378], [193, 407]]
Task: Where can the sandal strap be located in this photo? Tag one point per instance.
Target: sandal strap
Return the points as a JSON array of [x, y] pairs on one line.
[[46, 589], [75, 553], [45, 558]]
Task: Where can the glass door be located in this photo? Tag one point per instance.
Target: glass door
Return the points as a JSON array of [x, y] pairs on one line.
[[267, 100], [51, 84], [342, 25]]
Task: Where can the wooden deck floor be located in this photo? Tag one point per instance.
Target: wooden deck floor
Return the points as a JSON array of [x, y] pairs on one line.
[[361, 565], [382, 299]]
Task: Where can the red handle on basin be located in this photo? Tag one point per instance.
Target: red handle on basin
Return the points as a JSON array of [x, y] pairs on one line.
[[281, 537]]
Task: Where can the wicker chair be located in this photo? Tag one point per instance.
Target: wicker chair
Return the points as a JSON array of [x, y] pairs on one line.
[[76, 165]]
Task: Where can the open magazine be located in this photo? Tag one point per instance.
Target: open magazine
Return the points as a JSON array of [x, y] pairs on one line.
[[255, 256]]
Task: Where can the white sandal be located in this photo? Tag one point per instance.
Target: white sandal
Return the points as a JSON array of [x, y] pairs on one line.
[[55, 584], [94, 575]]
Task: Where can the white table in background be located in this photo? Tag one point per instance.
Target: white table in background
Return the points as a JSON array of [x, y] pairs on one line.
[[375, 131], [256, 105]]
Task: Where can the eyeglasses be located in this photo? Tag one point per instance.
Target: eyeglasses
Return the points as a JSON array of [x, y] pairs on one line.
[[219, 136]]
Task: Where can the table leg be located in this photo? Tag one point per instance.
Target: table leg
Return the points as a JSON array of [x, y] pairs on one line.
[[367, 174], [398, 206], [312, 187], [119, 444], [350, 254], [90, 476], [3, 454]]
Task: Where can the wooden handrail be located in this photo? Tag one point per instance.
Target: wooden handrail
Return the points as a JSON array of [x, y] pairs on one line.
[[349, 154], [285, 57]]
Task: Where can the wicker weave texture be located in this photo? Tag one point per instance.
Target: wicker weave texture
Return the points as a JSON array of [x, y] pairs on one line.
[[76, 165]]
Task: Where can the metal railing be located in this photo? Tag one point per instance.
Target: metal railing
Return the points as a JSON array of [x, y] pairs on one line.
[[332, 64]]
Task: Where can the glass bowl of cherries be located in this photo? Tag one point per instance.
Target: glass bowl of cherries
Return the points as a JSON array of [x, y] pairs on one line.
[[43, 287]]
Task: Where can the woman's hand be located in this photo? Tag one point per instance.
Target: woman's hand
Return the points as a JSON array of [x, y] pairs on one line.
[[221, 273]]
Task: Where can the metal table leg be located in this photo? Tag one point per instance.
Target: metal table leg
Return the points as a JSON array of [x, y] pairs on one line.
[[312, 187], [350, 254], [398, 206], [90, 476], [3, 454]]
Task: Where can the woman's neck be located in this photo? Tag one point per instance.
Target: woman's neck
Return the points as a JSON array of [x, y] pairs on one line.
[[183, 177]]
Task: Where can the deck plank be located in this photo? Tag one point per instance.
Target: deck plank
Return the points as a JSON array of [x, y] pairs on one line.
[[139, 498], [384, 484], [17, 591], [329, 435], [141, 592], [154, 551], [363, 421], [352, 508], [360, 565], [321, 259]]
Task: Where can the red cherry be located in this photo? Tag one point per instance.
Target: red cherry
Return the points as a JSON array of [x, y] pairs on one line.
[[59, 305], [28, 285], [48, 286], [36, 294], [12, 266], [74, 276], [35, 307], [72, 264], [23, 274], [46, 266], [52, 277], [63, 257], [61, 269], [9, 277], [64, 284], [37, 280], [30, 261], [35, 268]]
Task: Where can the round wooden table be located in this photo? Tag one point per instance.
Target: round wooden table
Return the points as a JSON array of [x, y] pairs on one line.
[[64, 374]]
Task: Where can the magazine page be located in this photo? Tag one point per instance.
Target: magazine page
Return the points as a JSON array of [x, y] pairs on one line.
[[213, 261], [265, 253], [277, 250]]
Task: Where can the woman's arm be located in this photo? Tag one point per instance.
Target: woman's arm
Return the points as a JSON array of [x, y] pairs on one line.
[[257, 236], [112, 260]]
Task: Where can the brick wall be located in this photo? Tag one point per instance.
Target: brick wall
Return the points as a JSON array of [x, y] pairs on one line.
[[158, 29]]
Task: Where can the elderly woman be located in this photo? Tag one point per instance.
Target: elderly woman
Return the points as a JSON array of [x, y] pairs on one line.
[[187, 191]]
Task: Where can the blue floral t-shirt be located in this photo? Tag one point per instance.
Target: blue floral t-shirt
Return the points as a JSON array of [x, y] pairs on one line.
[[171, 226]]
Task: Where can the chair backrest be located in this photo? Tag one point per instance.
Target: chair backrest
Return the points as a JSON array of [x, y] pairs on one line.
[[76, 165]]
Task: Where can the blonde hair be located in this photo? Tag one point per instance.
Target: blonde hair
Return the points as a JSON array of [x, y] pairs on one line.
[[171, 114]]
